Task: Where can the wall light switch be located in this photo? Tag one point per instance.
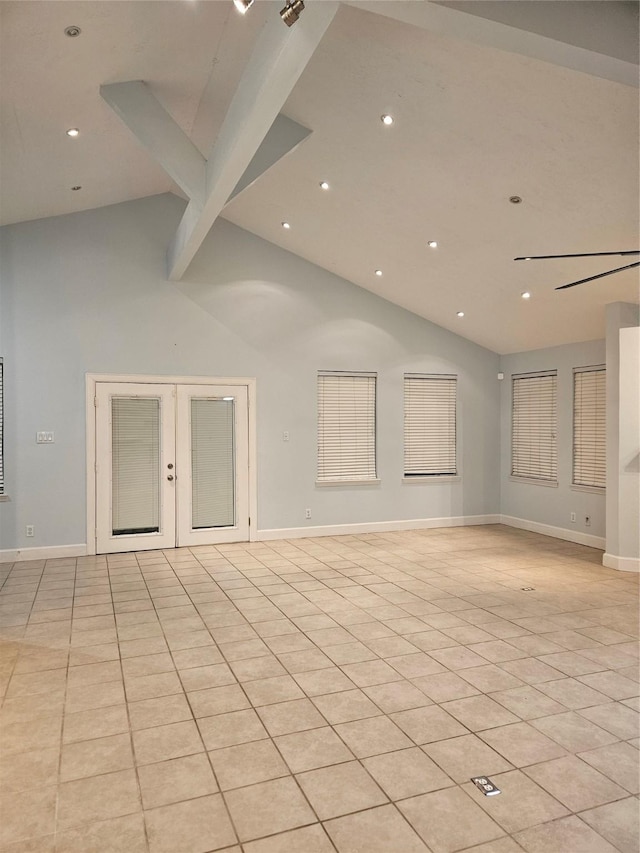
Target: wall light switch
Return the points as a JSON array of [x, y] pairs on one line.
[[44, 438]]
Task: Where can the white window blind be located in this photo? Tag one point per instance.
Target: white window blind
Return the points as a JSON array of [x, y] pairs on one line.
[[534, 449], [429, 425], [1, 428], [135, 465], [212, 463], [589, 427], [346, 426]]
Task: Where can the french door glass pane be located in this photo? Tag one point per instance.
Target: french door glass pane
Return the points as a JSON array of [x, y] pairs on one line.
[[135, 475], [212, 463]]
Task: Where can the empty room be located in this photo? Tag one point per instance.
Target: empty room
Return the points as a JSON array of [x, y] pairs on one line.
[[319, 426]]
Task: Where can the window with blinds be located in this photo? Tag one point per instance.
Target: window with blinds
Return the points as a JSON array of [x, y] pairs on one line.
[[212, 463], [346, 426], [1, 428], [589, 427], [429, 425], [534, 448]]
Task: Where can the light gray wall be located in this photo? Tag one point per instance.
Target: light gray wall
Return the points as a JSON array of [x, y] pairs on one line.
[[544, 504], [88, 293]]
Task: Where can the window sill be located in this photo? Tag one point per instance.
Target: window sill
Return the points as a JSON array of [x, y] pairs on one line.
[[549, 484], [594, 490], [433, 478], [333, 483], [4, 498]]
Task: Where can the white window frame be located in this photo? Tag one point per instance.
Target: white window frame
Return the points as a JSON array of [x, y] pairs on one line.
[[596, 427], [422, 399], [334, 468], [519, 466]]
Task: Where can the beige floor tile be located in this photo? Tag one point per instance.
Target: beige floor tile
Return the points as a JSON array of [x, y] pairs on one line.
[[500, 845], [37, 733], [165, 742], [619, 761], [27, 814], [373, 736], [268, 808], [175, 780], [521, 803], [406, 773], [457, 657], [369, 673], [521, 744], [287, 717], [353, 652], [269, 691], [621, 721], [95, 757], [304, 661], [340, 789], [531, 670], [497, 651], [230, 729], [466, 756], [312, 749], [98, 798], [566, 834], [572, 694], [346, 706], [378, 830], [86, 697], [251, 669], [617, 822], [444, 687], [424, 725], [247, 764], [321, 681], [199, 656], [196, 826], [574, 783], [397, 696], [105, 836], [218, 700], [479, 712], [100, 722], [449, 820], [571, 663], [21, 771], [490, 677], [152, 686], [160, 711], [29, 683], [573, 731], [146, 646], [527, 702], [310, 839], [147, 665], [612, 684]]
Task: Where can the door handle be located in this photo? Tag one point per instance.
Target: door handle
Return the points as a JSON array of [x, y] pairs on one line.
[[170, 477]]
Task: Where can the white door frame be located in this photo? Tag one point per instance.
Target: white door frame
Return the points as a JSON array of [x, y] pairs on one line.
[[93, 378]]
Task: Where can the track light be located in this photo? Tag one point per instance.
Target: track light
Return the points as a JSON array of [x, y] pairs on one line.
[[243, 5], [291, 12]]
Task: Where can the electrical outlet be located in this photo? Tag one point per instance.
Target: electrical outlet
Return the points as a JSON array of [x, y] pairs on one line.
[[587, 521], [307, 513], [573, 517], [29, 530], [285, 435]]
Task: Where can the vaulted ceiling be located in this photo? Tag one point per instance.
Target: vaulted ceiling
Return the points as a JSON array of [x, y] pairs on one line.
[[488, 101]]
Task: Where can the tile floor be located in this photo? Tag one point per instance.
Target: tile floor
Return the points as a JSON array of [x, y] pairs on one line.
[[322, 695]]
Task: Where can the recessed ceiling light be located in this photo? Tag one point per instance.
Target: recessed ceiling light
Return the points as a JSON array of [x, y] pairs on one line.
[[286, 226], [73, 131], [324, 185], [432, 244], [75, 189], [378, 272], [526, 295], [460, 314], [386, 119], [242, 5], [515, 199], [72, 31]]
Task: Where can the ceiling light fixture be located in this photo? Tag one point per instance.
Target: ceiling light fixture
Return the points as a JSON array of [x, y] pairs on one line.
[[292, 12], [75, 189], [286, 226], [515, 199], [460, 314], [386, 119], [526, 295], [72, 31], [324, 185], [243, 5], [73, 131], [432, 244], [378, 272]]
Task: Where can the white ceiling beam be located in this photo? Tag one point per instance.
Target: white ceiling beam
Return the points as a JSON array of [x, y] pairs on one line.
[[280, 56], [152, 125]]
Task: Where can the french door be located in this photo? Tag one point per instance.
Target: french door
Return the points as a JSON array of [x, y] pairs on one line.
[[172, 465]]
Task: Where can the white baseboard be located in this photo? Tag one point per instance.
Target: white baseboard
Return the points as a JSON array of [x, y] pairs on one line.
[[373, 527], [51, 552], [557, 532], [622, 564]]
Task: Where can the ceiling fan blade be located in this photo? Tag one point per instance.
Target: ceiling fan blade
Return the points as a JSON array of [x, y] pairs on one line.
[[580, 255], [600, 275]]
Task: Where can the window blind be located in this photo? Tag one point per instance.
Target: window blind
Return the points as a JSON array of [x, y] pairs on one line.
[[534, 450], [429, 425], [212, 463], [135, 464], [589, 427], [346, 426], [1, 428]]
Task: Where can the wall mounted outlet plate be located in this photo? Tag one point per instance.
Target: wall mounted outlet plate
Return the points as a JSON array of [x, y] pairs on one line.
[[485, 785]]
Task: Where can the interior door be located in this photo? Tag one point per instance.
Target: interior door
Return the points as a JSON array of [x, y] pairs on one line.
[[212, 464], [135, 474]]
